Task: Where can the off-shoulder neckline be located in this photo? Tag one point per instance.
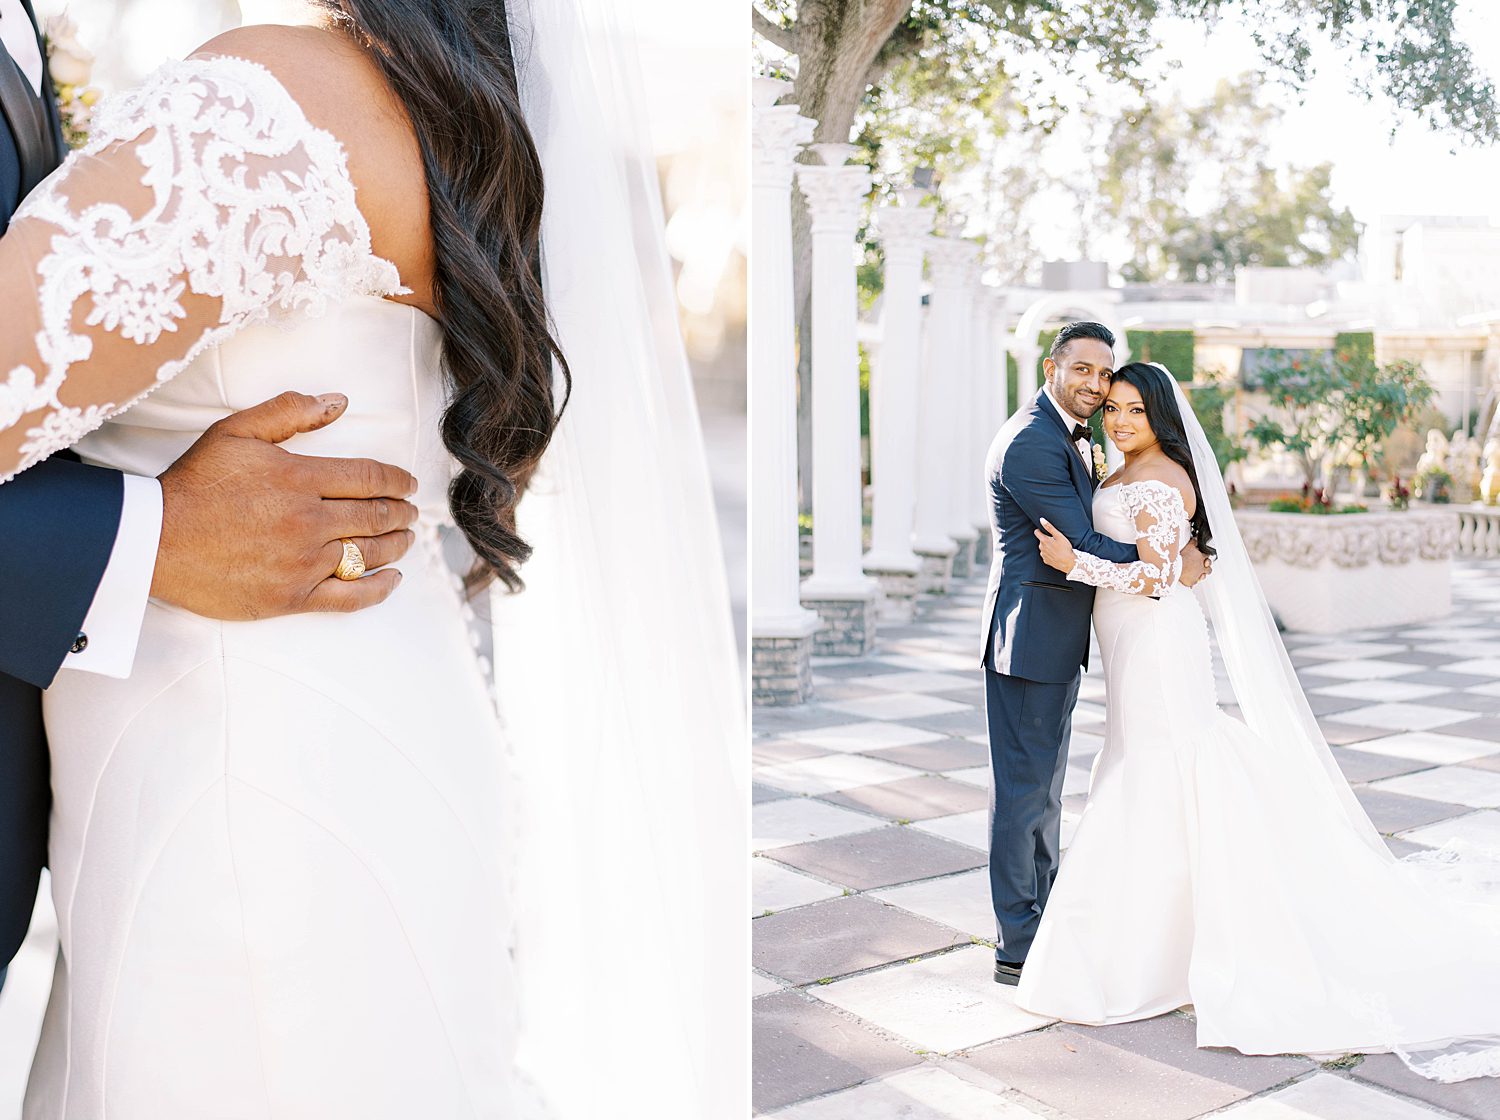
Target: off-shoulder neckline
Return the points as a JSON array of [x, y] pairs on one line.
[[332, 147]]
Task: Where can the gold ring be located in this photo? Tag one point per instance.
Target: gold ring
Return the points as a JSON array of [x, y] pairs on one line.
[[352, 564]]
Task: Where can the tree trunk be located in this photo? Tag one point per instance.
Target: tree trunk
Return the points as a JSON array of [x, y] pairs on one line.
[[837, 44]]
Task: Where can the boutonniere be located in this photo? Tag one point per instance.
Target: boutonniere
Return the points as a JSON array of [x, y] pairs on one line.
[[72, 67], [1101, 468]]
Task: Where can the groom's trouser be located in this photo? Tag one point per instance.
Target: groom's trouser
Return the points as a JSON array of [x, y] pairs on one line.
[[1029, 723]]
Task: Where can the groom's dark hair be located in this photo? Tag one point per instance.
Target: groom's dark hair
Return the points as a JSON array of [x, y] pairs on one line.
[[1081, 330]]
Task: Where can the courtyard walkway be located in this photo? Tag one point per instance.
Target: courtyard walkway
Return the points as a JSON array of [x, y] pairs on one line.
[[873, 997]]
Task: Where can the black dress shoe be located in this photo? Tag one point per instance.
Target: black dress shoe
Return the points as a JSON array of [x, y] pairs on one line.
[[1007, 973]]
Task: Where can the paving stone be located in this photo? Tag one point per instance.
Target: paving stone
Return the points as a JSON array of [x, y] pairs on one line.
[[1172, 1040], [802, 1048], [1485, 727], [944, 1003], [1325, 705], [919, 681], [881, 858], [977, 775], [1465, 700], [899, 705], [926, 1093], [1361, 669], [1402, 848], [1089, 1080], [760, 794], [1403, 717], [937, 756], [775, 888], [1362, 766], [1478, 1098], [1429, 746], [1340, 734], [1324, 1096], [1348, 650], [1464, 649], [1488, 667], [960, 901], [1420, 657], [913, 799], [834, 688], [863, 735], [1460, 785], [768, 752], [764, 985], [798, 717], [796, 820], [1379, 691], [971, 828], [1485, 762], [831, 772], [1442, 677], [839, 667], [1480, 828], [842, 936], [968, 720], [1395, 812]]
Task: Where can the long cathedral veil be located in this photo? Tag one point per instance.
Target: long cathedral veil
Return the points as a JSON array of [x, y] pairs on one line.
[[616, 673], [1462, 879]]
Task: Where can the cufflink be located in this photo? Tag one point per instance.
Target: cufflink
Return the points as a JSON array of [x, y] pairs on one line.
[[80, 643]]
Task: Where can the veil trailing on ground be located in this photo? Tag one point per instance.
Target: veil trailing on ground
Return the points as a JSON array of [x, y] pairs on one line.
[[1275, 707], [616, 673]]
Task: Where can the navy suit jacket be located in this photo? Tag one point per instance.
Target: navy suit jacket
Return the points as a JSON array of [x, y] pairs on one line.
[[58, 522], [1036, 621]]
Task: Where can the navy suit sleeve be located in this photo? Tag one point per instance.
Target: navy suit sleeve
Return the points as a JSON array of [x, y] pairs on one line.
[[1036, 474], [58, 523]]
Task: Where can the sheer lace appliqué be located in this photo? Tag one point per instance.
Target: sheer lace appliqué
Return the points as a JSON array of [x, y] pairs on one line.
[[1161, 531], [205, 202]]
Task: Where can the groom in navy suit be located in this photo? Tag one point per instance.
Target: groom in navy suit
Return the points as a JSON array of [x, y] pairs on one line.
[[1036, 625], [81, 547]]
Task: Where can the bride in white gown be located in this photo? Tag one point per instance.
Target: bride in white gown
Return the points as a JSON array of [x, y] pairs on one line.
[[284, 853], [1227, 864]]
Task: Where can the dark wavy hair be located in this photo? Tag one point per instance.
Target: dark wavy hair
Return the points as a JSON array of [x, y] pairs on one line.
[[1081, 329], [451, 65], [1160, 399]]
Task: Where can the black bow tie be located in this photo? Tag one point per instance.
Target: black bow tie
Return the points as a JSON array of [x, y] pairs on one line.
[[1081, 432]]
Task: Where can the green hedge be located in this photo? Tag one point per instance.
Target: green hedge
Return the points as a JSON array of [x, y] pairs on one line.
[[1355, 344], [1173, 349], [1012, 389]]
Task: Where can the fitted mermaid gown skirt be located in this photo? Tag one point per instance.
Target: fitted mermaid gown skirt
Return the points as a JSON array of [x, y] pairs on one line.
[[1204, 871], [276, 849]]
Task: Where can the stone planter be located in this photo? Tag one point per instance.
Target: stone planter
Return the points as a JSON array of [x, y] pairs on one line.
[[1325, 574]]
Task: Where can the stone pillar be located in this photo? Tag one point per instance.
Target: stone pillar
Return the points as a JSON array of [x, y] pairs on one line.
[[1002, 339], [781, 630], [953, 263], [893, 407], [1028, 367], [982, 420], [838, 588]]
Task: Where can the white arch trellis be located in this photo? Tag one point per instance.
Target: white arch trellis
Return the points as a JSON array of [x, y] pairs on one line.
[[1049, 308]]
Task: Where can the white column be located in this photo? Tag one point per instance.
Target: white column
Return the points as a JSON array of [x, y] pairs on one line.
[[1002, 365], [953, 265], [777, 135], [835, 193], [1028, 358], [981, 416], [893, 387], [930, 521]]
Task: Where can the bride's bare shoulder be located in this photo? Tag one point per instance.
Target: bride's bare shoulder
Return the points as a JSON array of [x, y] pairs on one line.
[[341, 90]]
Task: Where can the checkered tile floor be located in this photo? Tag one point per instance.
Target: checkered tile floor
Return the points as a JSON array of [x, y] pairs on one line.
[[872, 922]]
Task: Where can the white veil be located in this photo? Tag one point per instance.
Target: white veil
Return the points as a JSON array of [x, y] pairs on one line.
[[616, 672], [1463, 880], [1265, 684]]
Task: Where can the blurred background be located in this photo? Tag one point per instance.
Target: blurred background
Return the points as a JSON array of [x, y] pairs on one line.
[[692, 69]]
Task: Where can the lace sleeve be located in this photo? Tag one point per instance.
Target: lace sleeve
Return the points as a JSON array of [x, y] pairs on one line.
[[205, 202], [1161, 531]]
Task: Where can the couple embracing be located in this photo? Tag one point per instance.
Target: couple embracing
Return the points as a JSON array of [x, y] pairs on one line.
[[1218, 863]]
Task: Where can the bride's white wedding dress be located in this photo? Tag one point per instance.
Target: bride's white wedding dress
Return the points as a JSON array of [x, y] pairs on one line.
[[1212, 868], [279, 850]]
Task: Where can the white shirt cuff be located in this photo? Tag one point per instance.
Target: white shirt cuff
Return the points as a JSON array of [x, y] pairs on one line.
[[112, 628]]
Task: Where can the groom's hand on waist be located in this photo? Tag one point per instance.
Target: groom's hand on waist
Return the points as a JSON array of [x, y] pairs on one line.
[[1194, 565], [250, 530]]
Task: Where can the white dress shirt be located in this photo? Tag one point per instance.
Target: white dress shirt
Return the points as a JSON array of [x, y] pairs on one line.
[[1085, 448], [19, 38], [112, 627]]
